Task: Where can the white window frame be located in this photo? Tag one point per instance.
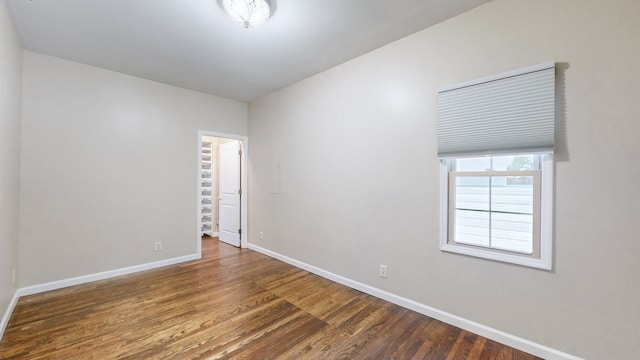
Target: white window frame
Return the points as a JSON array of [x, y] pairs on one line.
[[542, 259]]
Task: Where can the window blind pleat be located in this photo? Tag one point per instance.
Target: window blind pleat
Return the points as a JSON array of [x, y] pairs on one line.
[[514, 114]]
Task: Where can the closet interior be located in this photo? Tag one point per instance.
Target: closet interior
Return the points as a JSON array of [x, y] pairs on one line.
[[207, 205], [210, 184]]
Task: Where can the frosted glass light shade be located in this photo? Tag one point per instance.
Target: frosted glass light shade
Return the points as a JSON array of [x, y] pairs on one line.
[[248, 13]]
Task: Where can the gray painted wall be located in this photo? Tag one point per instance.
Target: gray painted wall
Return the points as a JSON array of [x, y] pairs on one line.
[[354, 149], [10, 97], [109, 168]]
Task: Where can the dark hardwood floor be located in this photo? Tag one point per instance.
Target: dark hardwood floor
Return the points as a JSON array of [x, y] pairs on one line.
[[231, 304]]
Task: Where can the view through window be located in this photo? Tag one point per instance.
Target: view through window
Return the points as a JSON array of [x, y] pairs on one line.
[[494, 202]]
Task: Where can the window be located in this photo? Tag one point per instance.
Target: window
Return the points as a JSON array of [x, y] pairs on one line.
[[498, 207], [495, 144]]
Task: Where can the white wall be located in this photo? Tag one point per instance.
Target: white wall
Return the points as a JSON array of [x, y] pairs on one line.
[[109, 168], [360, 175], [10, 97]]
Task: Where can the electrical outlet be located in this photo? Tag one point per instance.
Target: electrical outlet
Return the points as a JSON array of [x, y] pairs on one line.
[[261, 235], [13, 276], [158, 245], [383, 271]]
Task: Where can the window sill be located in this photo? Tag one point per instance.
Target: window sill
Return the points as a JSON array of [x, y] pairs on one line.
[[542, 263]]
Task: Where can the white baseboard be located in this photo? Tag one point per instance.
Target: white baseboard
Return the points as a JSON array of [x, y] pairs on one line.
[[471, 326], [54, 285], [7, 314]]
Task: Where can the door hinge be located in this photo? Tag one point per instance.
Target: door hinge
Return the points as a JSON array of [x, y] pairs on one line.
[[240, 192], [240, 231], [240, 152]]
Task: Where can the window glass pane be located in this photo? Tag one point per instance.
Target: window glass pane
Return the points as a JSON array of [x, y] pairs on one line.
[[472, 193], [513, 163], [490, 208], [512, 194], [512, 232], [473, 164], [472, 227]]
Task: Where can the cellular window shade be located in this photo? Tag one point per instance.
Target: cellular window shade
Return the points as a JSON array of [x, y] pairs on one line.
[[506, 113]]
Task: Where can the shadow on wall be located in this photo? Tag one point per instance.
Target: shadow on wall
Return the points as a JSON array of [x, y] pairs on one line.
[[561, 151]]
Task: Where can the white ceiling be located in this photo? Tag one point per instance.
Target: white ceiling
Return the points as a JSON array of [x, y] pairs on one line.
[[192, 44]]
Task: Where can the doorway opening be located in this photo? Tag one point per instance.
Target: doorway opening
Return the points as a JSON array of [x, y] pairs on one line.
[[222, 195]]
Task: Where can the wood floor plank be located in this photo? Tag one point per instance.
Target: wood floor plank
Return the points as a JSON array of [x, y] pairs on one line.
[[231, 304], [396, 342]]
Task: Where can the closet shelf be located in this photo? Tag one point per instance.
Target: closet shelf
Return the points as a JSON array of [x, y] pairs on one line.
[[206, 213]]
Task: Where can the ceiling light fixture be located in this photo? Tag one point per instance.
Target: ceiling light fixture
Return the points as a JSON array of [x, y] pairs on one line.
[[248, 13]]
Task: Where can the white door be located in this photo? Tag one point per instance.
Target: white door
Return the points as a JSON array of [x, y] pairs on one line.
[[229, 193]]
